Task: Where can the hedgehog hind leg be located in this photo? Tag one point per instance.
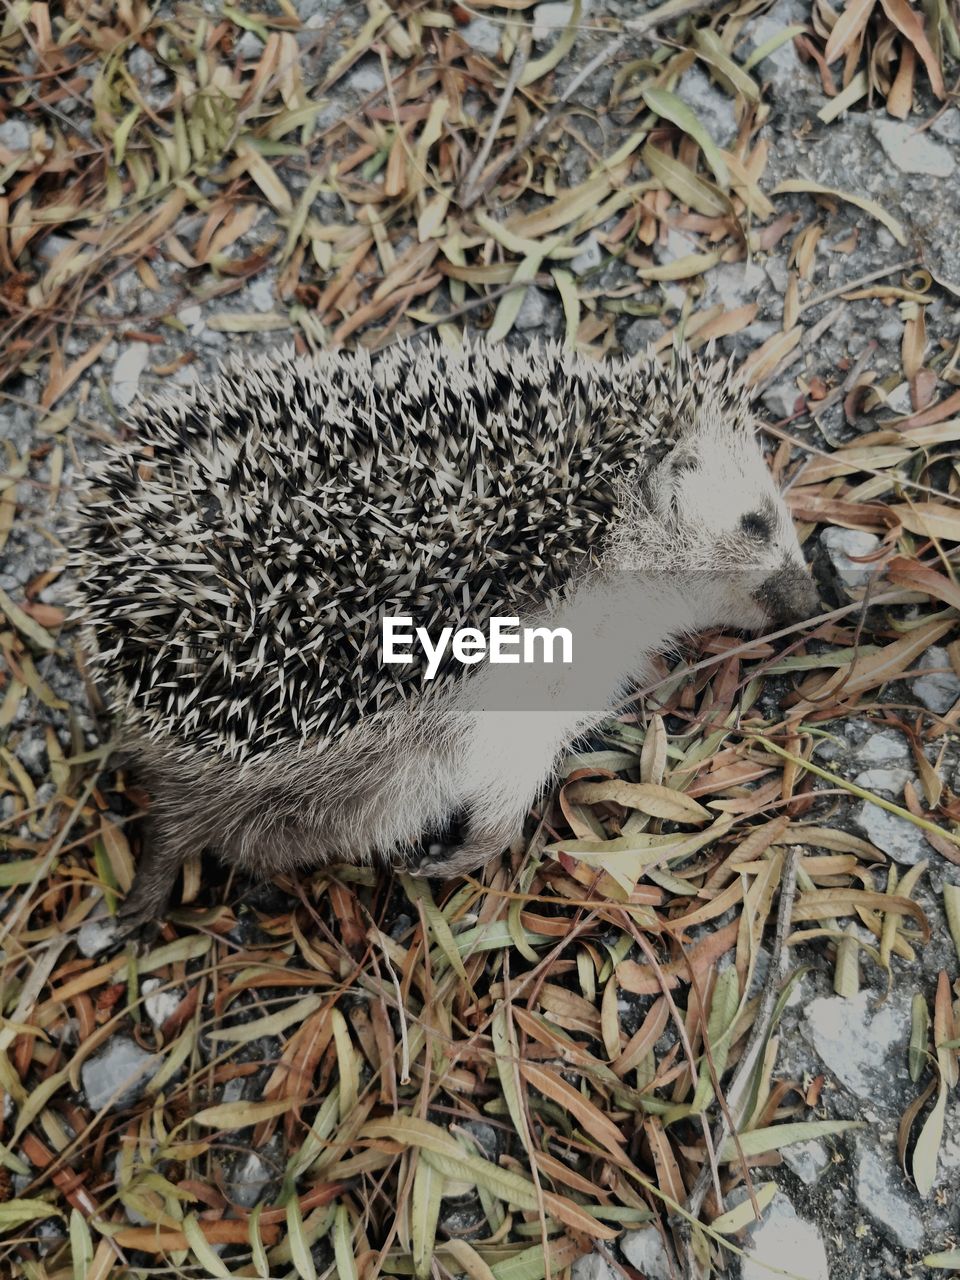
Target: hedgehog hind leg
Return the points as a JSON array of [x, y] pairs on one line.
[[481, 844]]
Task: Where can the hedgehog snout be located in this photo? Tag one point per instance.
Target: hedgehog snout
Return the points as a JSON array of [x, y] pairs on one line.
[[788, 594]]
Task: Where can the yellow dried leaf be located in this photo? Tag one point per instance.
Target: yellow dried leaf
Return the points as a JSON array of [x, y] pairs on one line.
[[801, 185]]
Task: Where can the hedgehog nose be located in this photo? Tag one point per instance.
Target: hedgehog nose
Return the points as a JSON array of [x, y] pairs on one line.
[[789, 594]]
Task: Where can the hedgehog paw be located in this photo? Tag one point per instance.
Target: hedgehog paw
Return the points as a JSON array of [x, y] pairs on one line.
[[137, 925], [448, 860]]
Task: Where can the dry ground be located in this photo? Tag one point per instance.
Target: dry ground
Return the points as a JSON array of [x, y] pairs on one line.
[[499, 1076]]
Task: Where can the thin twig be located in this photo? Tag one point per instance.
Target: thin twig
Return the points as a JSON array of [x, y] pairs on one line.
[[471, 190], [860, 280], [635, 27]]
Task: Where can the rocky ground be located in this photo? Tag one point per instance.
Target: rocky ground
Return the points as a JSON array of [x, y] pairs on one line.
[[845, 1206]]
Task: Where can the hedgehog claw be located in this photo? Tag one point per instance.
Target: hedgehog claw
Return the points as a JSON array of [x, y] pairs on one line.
[[137, 926]]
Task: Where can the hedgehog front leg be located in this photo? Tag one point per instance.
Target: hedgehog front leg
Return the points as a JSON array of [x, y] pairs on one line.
[[160, 859]]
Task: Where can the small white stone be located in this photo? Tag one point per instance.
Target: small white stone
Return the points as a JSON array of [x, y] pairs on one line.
[[898, 837], [898, 400], [891, 330], [889, 782], [233, 1090], [365, 79], [590, 256], [249, 46], [125, 378], [881, 749], [159, 1007], [483, 35], [733, 284], [782, 65], [549, 20], [784, 1241], [644, 1250], [913, 152], [14, 135], [251, 1182], [594, 1266], [861, 1044], [533, 310], [118, 1074], [144, 68], [807, 1160], [781, 398], [261, 295], [940, 690], [842, 544], [947, 126], [884, 1194], [678, 245], [713, 108], [95, 936]]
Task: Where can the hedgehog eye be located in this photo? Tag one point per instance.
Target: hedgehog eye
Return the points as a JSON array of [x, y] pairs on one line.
[[756, 525]]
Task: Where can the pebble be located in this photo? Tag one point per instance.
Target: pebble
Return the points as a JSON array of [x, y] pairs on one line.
[[96, 936], [677, 245], [483, 35], [144, 69], [808, 1160], [948, 126], [251, 1181], [533, 310], [891, 330], [249, 46], [913, 152], [782, 67], [233, 1090], [712, 106], [125, 378], [31, 751], [898, 837], [842, 544], [644, 1250], [594, 1266], [880, 1191], [781, 1240], [122, 1069], [14, 135], [734, 284], [309, 11], [160, 1006], [261, 295], [549, 20], [940, 690], [781, 398], [192, 317], [861, 1044], [365, 79], [590, 256], [882, 748], [898, 400], [889, 782]]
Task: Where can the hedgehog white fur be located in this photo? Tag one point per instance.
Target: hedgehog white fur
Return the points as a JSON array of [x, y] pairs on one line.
[[236, 554]]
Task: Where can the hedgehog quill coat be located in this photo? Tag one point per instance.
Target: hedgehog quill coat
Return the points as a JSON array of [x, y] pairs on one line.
[[236, 557]]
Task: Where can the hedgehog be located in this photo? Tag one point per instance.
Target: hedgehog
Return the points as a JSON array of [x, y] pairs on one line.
[[236, 552]]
